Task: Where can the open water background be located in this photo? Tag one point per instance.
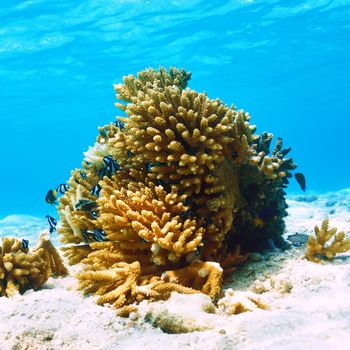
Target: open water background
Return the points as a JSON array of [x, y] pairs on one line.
[[285, 62]]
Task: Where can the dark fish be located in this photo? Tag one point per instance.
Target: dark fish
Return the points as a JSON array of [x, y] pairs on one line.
[[301, 180], [97, 235], [102, 172], [51, 197], [83, 175], [52, 223], [93, 214], [25, 243], [96, 190], [298, 239], [111, 163], [149, 167], [86, 205], [130, 154], [111, 166], [119, 124], [62, 188]]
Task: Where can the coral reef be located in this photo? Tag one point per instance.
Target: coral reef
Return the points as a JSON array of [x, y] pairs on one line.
[[22, 269], [317, 248], [179, 185]]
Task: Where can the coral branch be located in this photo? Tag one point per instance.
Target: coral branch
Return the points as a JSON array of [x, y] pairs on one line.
[[317, 248]]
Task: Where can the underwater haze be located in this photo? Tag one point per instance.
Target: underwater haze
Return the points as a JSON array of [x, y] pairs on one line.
[[285, 62]]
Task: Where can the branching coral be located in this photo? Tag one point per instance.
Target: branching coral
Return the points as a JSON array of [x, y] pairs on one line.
[[145, 217], [317, 248], [182, 180], [203, 276], [122, 284], [22, 269]]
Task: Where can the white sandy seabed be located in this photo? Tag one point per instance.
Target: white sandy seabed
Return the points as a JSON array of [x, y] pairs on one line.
[[309, 304]]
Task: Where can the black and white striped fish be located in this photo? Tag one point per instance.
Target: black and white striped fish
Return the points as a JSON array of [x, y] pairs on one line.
[[119, 124], [62, 188], [100, 235], [97, 235], [85, 204], [25, 244], [96, 190], [110, 168], [111, 163], [52, 223]]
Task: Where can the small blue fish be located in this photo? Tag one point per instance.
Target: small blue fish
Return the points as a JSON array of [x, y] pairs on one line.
[[52, 223], [83, 175], [51, 197], [119, 124], [62, 188], [96, 190], [130, 154], [25, 243]]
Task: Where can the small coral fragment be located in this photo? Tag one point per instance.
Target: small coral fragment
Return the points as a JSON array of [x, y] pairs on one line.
[[22, 269], [317, 248], [235, 302]]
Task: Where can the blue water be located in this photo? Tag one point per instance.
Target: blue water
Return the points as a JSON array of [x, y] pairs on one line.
[[286, 62]]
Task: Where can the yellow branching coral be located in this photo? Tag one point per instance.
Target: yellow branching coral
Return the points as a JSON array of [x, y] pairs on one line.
[[145, 217], [181, 177], [122, 284], [203, 276], [317, 248], [22, 269], [150, 79]]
